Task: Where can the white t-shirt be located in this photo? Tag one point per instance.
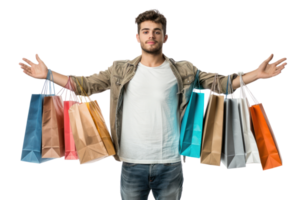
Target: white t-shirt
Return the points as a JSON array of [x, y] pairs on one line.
[[150, 121]]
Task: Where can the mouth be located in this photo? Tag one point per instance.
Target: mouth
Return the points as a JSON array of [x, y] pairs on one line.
[[150, 42]]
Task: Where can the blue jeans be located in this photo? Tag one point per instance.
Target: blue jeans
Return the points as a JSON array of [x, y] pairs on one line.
[[165, 180]]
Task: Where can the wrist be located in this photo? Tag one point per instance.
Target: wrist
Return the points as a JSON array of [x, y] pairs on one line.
[[257, 75], [47, 75]]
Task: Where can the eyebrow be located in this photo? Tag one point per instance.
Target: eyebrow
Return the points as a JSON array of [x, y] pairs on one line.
[[149, 29]]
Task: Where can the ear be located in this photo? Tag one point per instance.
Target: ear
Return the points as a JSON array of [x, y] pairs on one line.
[[167, 38], [137, 38]]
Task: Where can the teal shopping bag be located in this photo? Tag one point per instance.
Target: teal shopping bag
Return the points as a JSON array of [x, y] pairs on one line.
[[192, 123], [31, 144]]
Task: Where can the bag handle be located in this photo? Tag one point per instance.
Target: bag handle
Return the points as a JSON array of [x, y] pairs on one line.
[[196, 80], [213, 86], [216, 78], [48, 79], [83, 98], [249, 93], [229, 81], [242, 92], [72, 93], [252, 96]]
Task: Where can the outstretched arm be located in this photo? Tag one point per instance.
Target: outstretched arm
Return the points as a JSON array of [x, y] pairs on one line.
[[265, 70]]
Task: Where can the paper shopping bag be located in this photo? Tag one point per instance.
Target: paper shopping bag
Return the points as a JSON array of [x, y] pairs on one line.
[[88, 143], [70, 148], [233, 151], [266, 146], [99, 121], [271, 128], [192, 123], [69, 101], [213, 129], [31, 145], [53, 125], [252, 154]]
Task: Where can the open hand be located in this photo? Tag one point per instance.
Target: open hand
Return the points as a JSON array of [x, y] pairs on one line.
[[39, 70], [266, 70]]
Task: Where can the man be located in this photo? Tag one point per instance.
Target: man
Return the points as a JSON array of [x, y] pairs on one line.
[[149, 95]]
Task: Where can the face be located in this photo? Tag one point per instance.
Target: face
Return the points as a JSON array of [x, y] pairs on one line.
[[151, 37]]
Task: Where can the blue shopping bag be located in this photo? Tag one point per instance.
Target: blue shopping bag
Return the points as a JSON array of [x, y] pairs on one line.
[[32, 145], [192, 123]]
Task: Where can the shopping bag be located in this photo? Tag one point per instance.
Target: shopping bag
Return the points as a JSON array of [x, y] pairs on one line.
[[101, 123], [88, 142], [70, 149], [213, 128], [233, 150], [32, 145], [252, 154], [265, 139], [271, 128], [192, 123], [53, 125]]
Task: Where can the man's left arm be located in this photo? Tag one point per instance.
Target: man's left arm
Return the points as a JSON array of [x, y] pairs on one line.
[[265, 70]]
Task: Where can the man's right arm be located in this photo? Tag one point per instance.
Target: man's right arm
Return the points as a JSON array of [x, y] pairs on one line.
[[93, 84]]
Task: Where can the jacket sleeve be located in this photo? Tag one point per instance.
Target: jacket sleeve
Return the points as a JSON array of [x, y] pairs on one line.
[[95, 83], [207, 78], [206, 81]]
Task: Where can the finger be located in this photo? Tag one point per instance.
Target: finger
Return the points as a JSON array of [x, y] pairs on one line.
[[283, 64], [26, 73], [280, 67], [28, 61], [279, 61], [25, 67], [38, 58], [279, 72], [270, 58]]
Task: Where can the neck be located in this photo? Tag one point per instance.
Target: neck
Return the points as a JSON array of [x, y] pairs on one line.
[[152, 60]]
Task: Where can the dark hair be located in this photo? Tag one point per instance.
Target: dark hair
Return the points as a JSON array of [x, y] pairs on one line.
[[154, 16]]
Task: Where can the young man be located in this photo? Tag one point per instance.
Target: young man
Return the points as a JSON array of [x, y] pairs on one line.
[[148, 98]]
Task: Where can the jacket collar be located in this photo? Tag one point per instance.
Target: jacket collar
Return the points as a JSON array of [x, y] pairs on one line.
[[136, 60]]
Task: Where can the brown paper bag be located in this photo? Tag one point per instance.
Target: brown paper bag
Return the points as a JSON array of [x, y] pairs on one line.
[[101, 126], [213, 129], [88, 143], [53, 127]]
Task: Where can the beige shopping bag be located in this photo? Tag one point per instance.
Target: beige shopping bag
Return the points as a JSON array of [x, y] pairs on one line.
[[97, 116], [88, 143], [213, 128]]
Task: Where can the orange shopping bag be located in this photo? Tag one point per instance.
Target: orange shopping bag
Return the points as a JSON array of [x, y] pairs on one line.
[[264, 136]]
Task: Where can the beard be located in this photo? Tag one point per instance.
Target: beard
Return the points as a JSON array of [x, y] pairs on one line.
[[155, 49]]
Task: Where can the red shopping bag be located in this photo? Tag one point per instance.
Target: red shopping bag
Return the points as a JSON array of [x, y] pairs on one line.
[[70, 149]]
